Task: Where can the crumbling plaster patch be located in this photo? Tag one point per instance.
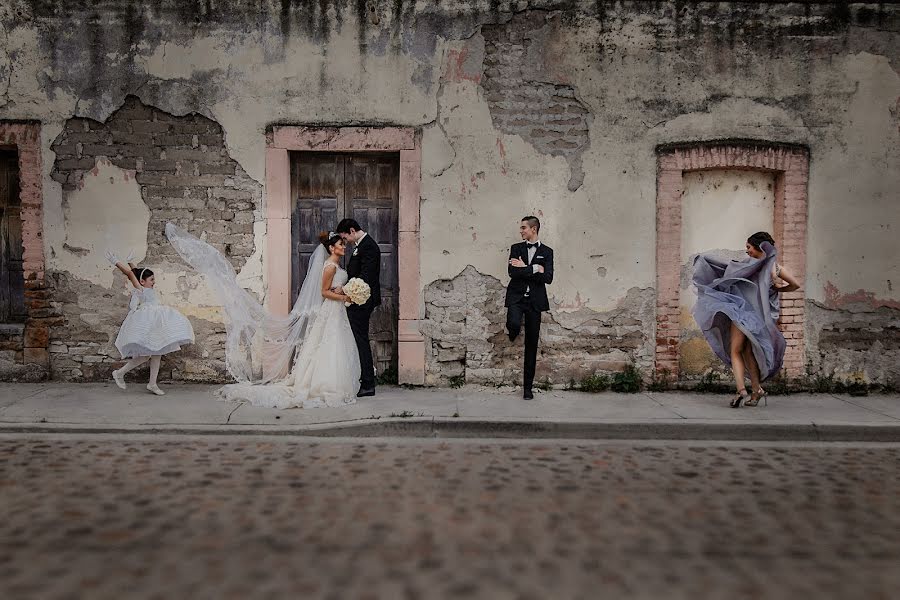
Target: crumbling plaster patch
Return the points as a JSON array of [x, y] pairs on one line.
[[465, 335], [179, 173], [105, 212], [856, 341], [528, 94]]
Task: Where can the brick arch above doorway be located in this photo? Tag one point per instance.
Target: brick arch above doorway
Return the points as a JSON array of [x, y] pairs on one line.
[[280, 141], [790, 165]]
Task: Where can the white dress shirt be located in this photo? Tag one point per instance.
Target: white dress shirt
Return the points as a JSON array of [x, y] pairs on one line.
[[534, 268]]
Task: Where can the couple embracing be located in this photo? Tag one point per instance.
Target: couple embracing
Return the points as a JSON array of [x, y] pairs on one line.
[[334, 363], [319, 354]]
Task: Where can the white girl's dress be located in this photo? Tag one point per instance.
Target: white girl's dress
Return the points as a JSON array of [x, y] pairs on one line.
[[151, 328]]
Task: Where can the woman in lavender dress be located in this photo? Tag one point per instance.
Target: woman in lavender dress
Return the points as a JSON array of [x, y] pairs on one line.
[[737, 309]]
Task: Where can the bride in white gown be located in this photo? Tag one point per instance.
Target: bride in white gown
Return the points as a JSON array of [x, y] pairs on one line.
[[260, 347]]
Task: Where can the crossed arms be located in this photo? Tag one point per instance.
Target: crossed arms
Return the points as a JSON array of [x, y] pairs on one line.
[[538, 273]]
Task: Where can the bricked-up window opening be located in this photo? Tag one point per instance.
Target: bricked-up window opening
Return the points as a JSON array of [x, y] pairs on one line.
[[789, 166], [12, 281]]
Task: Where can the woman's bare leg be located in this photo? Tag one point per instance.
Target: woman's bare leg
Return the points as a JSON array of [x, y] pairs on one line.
[[738, 340], [750, 363]]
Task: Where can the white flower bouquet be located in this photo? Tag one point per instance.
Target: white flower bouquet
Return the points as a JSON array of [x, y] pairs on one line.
[[358, 290]]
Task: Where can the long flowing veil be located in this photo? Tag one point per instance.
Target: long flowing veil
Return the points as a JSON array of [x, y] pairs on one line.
[[259, 346]]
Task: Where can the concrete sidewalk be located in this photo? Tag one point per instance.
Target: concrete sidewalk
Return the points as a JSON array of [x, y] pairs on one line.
[[466, 412]]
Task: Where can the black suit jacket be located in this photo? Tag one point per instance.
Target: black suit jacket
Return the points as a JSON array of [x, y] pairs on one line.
[[522, 278], [365, 263]]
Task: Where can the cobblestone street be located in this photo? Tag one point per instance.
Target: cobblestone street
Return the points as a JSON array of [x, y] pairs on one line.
[[275, 517]]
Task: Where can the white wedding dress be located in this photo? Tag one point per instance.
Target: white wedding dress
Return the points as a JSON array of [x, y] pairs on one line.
[[326, 371], [305, 359]]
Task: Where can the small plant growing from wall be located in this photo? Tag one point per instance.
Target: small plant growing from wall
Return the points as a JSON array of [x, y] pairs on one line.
[[457, 381], [711, 383], [855, 386], [594, 383], [627, 381]]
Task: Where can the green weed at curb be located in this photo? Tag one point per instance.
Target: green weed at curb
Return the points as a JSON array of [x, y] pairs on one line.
[[628, 381], [594, 383]]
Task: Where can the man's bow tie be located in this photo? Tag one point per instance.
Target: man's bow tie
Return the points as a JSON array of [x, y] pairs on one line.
[[534, 245]]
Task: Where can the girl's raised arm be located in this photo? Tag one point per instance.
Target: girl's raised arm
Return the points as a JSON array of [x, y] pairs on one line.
[[114, 261]]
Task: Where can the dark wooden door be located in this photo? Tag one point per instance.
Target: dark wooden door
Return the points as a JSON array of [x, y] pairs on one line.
[[12, 282], [365, 187]]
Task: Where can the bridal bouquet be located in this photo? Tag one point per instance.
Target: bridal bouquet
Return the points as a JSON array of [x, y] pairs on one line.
[[358, 290]]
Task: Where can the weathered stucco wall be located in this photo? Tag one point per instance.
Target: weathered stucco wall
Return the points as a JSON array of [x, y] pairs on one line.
[[552, 108]]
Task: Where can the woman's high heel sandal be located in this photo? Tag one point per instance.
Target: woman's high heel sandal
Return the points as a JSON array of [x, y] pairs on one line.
[[758, 395], [738, 399]]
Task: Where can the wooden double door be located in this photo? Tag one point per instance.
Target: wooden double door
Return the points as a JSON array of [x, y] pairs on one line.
[[366, 187], [12, 281]]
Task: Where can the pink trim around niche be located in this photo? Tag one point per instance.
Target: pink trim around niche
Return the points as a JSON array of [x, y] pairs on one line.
[[790, 164], [285, 139]]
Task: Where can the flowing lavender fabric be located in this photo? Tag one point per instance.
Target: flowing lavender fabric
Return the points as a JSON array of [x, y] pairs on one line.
[[740, 292]]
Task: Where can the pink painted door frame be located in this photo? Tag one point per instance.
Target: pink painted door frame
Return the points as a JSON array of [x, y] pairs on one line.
[[790, 164], [284, 139], [25, 137]]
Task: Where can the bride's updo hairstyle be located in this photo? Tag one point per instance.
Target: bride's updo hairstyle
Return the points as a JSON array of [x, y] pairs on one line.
[[329, 239], [756, 240]]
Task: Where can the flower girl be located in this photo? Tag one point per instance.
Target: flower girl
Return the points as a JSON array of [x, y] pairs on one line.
[[150, 330]]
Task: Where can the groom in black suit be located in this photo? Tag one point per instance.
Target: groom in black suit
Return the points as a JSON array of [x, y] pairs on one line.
[[530, 270], [365, 263]]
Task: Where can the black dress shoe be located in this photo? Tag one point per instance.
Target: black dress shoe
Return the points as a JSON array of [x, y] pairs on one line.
[[367, 392], [528, 395]]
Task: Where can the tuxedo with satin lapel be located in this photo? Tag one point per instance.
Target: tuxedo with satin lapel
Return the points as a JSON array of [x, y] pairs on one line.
[[524, 278], [365, 263], [526, 299]]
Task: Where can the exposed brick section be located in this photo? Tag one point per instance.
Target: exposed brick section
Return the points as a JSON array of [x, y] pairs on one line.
[[186, 177], [30, 349], [82, 345], [465, 335], [791, 167], [523, 99], [184, 170]]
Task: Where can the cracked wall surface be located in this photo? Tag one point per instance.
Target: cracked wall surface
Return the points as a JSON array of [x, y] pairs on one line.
[[547, 107], [465, 335], [122, 181], [528, 95], [854, 342]]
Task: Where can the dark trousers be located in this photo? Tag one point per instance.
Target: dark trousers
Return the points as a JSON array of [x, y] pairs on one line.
[[359, 323], [525, 311]]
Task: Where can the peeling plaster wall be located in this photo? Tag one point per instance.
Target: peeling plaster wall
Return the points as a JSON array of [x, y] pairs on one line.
[[547, 107]]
